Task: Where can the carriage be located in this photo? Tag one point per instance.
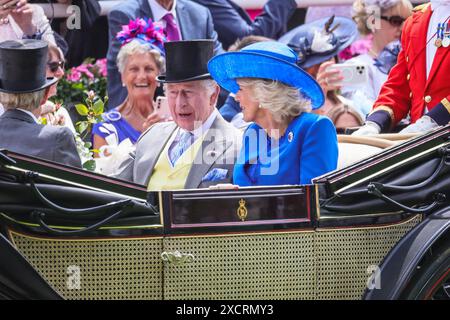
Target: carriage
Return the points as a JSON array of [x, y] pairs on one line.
[[375, 229]]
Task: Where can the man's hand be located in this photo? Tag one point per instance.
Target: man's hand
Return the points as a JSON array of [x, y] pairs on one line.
[[422, 125], [368, 129]]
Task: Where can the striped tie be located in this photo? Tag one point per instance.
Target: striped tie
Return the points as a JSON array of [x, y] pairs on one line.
[[183, 144]]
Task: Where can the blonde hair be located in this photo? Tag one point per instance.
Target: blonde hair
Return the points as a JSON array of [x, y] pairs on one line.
[[283, 101], [362, 12], [26, 101], [137, 47]]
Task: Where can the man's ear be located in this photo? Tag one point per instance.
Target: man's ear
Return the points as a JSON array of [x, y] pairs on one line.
[[46, 95], [215, 96]]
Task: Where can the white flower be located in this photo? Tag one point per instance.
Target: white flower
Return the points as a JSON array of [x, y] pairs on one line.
[[109, 165]]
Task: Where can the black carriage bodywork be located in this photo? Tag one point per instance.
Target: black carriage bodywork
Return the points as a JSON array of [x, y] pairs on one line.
[[328, 232]]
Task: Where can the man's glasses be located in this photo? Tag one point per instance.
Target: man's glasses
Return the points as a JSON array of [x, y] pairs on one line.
[[54, 65], [395, 21]]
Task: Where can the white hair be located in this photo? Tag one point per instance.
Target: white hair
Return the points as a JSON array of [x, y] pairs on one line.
[[137, 47], [208, 84], [26, 101], [283, 101]]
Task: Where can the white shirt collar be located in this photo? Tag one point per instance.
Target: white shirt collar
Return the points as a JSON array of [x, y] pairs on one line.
[[205, 126], [29, 113], [159, 11], [435, 4]]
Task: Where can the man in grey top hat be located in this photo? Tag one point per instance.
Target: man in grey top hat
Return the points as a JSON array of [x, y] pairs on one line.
[[23, 89]]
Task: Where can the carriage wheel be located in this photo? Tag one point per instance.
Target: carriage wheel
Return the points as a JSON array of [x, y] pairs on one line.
[[432, 282]]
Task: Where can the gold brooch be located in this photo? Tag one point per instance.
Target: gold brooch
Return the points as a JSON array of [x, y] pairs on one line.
[[242, 210]]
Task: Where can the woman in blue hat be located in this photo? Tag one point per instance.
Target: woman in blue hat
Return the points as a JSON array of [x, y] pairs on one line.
[[286, 144]]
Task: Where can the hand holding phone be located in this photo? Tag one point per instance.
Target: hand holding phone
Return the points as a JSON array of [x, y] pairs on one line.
[[327, 77], [162, 108], [353, 74]]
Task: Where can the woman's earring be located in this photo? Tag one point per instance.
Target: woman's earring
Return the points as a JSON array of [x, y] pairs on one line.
[[260, 106]]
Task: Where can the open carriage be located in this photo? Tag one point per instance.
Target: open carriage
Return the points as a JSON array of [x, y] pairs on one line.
[[376, 229]]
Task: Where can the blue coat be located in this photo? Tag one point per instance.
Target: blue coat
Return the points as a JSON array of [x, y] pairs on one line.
[[232, 22], [195, 23], [307, 150]]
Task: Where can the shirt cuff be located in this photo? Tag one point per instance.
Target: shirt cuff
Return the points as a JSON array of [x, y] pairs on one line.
[[381, 118], [441, 113]]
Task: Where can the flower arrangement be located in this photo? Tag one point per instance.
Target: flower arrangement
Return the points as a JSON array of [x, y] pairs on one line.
[[143, 30], [77, 81]]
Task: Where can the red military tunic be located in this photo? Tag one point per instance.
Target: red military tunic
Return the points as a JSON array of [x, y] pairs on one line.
[[407, 88]]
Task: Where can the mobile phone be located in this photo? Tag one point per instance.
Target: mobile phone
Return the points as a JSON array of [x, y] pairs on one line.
[[162, 108], [354, 74]]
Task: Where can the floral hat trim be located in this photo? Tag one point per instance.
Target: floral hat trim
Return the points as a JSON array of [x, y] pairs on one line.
[[145, 31]]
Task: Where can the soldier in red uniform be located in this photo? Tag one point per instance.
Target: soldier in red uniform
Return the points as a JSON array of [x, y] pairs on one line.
[[419, 84]]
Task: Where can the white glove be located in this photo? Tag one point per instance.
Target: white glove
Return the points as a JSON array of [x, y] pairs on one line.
[[368, 129], [424, 124]]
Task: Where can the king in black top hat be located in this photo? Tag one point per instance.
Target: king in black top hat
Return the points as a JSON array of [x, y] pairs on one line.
[[187, 60], [22, 66]]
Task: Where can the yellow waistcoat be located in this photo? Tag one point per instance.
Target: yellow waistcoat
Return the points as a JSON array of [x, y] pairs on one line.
[[166, 177]]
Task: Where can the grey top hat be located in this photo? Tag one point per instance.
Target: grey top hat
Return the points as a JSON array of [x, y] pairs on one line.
[[23, 65]]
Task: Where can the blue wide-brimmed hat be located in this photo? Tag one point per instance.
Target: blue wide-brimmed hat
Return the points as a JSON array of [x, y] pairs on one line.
[[265, 60], [318, 41]]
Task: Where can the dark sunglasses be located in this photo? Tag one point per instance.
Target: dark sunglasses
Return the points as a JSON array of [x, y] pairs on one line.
[[395, 21], [54, 65]]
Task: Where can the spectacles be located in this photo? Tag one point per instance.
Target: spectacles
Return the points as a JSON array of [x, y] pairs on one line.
[[54, 65], [395, 21]]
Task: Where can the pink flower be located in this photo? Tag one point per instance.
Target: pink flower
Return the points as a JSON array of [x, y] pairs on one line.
[[85, 69], [361, 46], [101, 65], [74, 75]]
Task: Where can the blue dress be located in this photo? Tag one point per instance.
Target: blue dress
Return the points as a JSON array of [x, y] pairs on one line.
[[308, 149], [114, 123]]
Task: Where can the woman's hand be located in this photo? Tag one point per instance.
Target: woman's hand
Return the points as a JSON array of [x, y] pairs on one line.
[[328, 78], [22, 14], [6, 6], [48, 112], [151, 120]]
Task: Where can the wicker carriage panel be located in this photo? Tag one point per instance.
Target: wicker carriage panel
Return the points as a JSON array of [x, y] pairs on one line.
[[345, 256], [114, 269], [253, 266]]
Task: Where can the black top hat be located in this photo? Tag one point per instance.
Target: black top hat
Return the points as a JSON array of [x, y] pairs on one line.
[[187, 60], [22, 66]]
